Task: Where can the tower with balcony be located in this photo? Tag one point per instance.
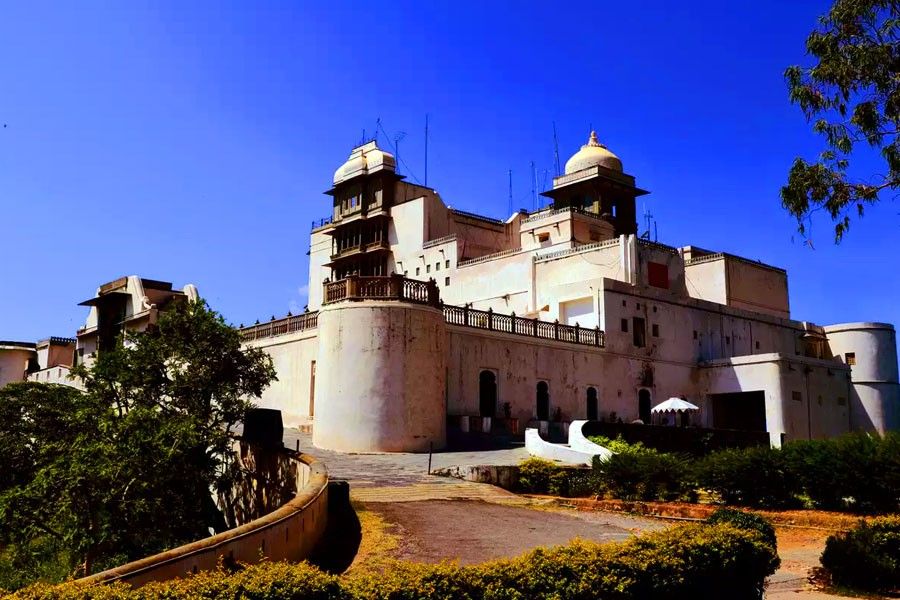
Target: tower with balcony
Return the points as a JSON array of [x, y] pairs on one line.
[[362, 198]]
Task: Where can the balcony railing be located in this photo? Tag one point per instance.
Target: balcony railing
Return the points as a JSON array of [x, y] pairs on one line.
[[321, 222], [282, 326], [360, 248], [391, 287], [488, 319]]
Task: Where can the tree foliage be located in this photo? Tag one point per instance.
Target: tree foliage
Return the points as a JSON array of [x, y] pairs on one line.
[[125, 467], [852, 96]]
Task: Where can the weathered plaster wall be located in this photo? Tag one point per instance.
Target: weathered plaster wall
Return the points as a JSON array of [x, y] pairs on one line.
[[381, 377], [13, 363], [293, 356], [876, 392]]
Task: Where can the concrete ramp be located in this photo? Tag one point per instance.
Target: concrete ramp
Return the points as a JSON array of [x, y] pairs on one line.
[[578, 442], [536, 446]]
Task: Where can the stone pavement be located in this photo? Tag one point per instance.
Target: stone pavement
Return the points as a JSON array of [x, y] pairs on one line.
[[399, 469]]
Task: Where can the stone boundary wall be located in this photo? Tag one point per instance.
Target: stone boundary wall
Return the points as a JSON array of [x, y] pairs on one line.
[[288, 533]]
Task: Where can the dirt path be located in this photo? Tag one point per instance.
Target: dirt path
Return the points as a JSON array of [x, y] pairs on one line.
[[473, 531]]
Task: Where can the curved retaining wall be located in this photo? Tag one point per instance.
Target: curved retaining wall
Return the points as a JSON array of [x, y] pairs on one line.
[[289, 533], [578, 442], [537, 446]]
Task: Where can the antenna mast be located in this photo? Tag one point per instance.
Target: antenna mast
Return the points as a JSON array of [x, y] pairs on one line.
[[556, 149], [426, 149], [533, 187], [510, 192]]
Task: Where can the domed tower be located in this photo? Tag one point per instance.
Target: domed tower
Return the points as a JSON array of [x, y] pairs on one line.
[[595, 182], [870, 350]]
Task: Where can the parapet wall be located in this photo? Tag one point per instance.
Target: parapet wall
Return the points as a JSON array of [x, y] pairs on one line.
[[289, 533]]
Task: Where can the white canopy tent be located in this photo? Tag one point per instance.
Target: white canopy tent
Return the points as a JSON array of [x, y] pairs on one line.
[[674, 405]]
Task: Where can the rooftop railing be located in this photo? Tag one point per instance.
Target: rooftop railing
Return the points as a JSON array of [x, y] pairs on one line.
[[439, 241], [403, 289], [283, 326], [322, 222], [546, 330], [391, 287]]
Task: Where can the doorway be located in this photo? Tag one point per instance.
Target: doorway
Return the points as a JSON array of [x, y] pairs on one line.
[[592, 408], [543, 401], [487, 394], [644, 406]]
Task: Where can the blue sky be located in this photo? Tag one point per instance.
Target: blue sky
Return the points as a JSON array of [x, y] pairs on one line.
[[192, 141]]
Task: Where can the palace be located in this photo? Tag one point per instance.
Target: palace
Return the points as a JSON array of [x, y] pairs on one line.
[[422, 318], [420, 315]]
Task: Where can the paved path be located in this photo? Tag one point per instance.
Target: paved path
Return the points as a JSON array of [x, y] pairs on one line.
[[439, 518]]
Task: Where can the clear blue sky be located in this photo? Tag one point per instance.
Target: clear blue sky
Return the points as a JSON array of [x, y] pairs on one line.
[[191, 141]]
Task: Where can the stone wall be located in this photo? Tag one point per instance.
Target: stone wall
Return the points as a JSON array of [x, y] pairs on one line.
[[289, 533]]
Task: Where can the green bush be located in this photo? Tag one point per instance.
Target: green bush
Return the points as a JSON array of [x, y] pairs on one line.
[[539, 476], [867, 557], [620, 446], [644, 476], [746, 520], [691, 561], [857, 471], [757, 477]]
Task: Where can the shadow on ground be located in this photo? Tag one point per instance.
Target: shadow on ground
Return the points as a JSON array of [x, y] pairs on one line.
[[343, 533]]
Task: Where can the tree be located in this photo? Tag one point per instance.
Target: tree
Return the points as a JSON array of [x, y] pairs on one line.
[[126, 467], [852, 96]]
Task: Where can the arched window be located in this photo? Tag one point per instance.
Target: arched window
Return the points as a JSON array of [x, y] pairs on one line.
[[592, 410], [644, 406], [543, 401], [487, 393]]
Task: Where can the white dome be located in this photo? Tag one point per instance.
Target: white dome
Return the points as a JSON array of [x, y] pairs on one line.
[[592, 154], [363, 160]]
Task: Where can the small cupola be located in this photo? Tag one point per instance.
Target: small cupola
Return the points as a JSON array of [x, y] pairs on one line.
[[593, 154]]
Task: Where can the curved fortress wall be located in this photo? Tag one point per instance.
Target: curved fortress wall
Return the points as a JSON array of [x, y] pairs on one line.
[[381, 377], [870, 350]]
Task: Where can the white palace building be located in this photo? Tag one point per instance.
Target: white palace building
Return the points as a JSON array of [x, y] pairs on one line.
[[421, 315]]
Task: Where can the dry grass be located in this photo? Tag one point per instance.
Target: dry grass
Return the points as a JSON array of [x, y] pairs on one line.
[[378, 544]]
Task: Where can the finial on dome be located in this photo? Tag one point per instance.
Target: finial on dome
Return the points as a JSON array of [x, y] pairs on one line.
[[593, 141]]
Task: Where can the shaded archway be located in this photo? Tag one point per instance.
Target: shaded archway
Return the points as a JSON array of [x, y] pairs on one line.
[[644, 406], [543, 401], [592, 408], [487, 394]]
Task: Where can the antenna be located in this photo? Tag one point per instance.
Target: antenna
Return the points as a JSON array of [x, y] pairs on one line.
[[426, 149], [556, 149], [397, 138], [510, 192], [648, 219], [533, 187]]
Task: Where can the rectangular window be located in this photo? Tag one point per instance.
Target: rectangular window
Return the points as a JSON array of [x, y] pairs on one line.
[[639, 332], [797, 396], [428, 268], [695, 334], [727, 341], [437, 266], [446, 281], [757, 344], [655, 330], [658, 275], [624, 325], [417, 271], [850, 358], [447, 264], [624, 303]]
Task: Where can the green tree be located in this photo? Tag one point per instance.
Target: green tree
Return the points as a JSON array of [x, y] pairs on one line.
[[127, 466], [852, 96]]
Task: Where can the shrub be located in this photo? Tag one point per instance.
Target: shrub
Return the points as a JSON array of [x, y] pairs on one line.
[[644, 476], [690, 561], [857, 471], [866, 557], [746, 520], [620, 446], [757, 477], [539, 476]]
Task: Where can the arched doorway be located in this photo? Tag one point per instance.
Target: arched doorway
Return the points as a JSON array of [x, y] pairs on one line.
[[592, 409], [543, 401], [487, 394], [644, 406]]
